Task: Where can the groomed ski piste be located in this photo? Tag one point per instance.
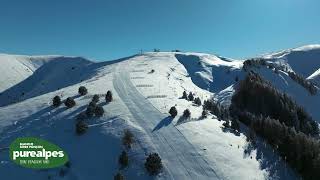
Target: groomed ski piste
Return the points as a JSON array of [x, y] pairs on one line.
[[194, 149]]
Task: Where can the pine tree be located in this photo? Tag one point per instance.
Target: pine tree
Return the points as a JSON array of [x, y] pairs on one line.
[[82, 90], [186, 113], [197, 101], [173, 111], [235, 125], [127, 138], [81, 127], [99, 111], [69, 103], [109, 96], [184, 95], [90, 111], [153, 164], [56, 102], [95, 98], [204, 113], [190, 96], [124, 159]]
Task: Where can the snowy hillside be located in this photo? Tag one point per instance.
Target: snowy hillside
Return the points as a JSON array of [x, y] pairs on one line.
[[210, 72], [15, 68], [315, 77], [303, 60], [144, 88]]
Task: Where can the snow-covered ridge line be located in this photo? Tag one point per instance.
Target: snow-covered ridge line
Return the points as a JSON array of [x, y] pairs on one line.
[[282, 53], [16, 68]]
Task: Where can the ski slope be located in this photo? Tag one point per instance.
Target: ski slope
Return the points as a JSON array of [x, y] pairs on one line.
[[169, 141], [197, 148], [171, 78]]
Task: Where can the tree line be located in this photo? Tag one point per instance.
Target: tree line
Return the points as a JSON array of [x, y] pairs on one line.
[[257, 62], [275, 117], [258, 96]]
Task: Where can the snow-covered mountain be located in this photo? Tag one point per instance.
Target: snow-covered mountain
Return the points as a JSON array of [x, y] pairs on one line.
[[144, 88], [303, 60], [16, 68]]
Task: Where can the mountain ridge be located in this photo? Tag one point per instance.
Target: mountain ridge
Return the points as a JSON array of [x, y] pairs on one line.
[[156, 80]]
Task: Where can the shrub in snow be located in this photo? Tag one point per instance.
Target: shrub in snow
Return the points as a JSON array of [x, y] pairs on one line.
[[186, 113], [56, 102], [82, 90], [184, 95], [152, 71], [118, 176], [204, 114], [124, 159], [109, 96], [81, 127], [98, 111], [127, 138], [95, 98], [197, 101], [90, 111], [173, 111], [190, 96], [153, 164], [69, 102]]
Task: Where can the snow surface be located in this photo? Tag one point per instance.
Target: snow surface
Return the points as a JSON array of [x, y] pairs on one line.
[[315, 77], [190, 149], [298, 93], [93, 155], [16, 68], [303, 60]]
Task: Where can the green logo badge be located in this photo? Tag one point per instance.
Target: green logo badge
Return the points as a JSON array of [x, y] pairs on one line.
[[36, 153]]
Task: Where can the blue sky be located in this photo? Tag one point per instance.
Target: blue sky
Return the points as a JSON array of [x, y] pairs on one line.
[[109, 29]]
